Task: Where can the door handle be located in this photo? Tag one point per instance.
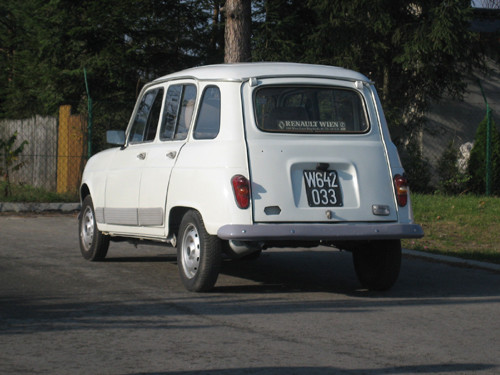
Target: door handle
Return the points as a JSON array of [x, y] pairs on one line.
[[172, 154], [141, 156]]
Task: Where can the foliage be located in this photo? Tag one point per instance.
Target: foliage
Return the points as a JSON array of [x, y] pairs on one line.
[[417, 167], [9, 155], [121, 43], [477, 162], [465, 226], [451, 179], [281, 30], [414, 51]]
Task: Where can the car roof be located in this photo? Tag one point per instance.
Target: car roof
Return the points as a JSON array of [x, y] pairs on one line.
[[245, 71]]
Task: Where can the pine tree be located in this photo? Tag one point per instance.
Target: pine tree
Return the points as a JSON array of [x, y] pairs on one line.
[[238, 31]]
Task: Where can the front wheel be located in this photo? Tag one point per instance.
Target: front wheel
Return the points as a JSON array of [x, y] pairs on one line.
[[198, 254], [93, 244], [377, 265]]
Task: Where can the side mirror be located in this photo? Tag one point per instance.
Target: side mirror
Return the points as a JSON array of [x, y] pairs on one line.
[[115, 137]]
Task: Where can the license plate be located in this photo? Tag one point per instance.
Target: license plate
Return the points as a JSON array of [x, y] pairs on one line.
[[323, 188]]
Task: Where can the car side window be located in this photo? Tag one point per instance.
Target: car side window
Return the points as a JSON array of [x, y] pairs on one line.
[[208, 121], [179, 105], [147, 117]]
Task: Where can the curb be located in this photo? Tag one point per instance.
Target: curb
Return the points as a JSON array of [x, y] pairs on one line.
[[453, 260], [38, 207]]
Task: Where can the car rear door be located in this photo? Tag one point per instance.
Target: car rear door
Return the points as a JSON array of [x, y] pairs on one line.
[[316, 152]]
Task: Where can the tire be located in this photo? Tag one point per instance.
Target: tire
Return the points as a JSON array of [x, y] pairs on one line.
[[377, 265], [93, 244], [199, 254]]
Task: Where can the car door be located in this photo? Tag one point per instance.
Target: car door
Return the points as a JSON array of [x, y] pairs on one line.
[[161, 156], [123, 180]]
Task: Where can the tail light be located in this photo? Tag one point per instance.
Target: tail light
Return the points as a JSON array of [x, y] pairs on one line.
[[241, 189], [401, 188]]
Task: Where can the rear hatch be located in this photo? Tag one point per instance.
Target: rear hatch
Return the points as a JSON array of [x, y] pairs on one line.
[[316, 152]]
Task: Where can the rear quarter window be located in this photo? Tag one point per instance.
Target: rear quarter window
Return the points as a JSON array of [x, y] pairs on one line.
[[208, 121], [310, 110]]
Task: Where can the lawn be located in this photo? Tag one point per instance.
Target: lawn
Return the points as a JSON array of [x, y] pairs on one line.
[[26, 193], [465, 226]]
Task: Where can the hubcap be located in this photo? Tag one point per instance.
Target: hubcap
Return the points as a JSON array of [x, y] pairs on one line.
[[87, 229], [190, 251]]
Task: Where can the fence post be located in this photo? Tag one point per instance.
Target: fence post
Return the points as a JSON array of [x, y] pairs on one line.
[[488, 142], [89, 125], [70, 150]]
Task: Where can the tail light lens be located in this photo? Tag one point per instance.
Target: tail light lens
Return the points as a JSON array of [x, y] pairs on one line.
[[241, 189], [401, 188]]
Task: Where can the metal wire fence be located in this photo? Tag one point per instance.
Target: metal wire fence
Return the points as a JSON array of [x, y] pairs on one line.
[[55, 153]]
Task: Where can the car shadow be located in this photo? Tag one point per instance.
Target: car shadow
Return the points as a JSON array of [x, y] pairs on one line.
[[328, 270]]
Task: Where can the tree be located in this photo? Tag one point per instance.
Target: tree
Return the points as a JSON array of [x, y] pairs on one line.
[[281, 29], [414, 50], [121, 43], [238, 31], [9, 155]]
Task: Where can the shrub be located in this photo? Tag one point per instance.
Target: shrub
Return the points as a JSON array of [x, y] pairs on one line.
[[417, 168], [477, 162], [451, 179]]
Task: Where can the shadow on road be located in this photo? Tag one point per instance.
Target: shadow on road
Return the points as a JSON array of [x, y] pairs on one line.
[[427, 369]]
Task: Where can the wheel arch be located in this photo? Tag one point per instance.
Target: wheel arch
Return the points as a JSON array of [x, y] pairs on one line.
[[175, 216], [84, 191]]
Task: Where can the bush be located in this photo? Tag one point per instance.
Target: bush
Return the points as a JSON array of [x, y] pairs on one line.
[[477, 162], [417, 168], [451, 179]]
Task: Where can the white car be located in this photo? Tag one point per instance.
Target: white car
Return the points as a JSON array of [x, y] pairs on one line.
[[233, 159]]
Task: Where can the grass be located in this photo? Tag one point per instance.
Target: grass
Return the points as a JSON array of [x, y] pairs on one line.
[[26, 193], [463, 226]]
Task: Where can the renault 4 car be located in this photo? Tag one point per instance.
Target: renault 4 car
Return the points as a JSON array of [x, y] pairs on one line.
[[229, 160]]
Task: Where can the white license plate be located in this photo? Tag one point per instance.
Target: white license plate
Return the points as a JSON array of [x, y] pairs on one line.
[[323, 188]]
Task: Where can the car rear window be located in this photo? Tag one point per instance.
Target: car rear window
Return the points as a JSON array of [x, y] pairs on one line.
[[306, 109]]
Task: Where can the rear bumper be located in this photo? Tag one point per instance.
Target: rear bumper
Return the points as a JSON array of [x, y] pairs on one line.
[[312, 232]]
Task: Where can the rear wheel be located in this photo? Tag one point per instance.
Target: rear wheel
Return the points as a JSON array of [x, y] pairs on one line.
[[377, 265], [198, 254], [93, 244]]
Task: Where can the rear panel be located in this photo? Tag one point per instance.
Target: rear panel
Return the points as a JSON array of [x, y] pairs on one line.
[[316, 153]]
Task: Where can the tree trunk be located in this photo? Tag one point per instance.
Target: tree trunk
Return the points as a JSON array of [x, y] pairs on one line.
[[237, 33]]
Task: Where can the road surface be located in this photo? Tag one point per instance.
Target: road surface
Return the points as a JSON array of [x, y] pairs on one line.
[[289, 312]]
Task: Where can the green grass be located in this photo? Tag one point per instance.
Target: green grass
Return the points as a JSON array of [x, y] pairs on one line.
[[26, 193], [464, 226]]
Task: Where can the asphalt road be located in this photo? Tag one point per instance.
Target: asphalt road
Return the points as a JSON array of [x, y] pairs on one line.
[[289, 312]]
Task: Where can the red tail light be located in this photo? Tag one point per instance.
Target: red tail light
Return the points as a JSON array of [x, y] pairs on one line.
[[401, 188], [241, 188]]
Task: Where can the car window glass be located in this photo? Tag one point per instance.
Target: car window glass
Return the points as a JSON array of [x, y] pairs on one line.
[[147, 117], [186, 112], [305, 109], [179, 104], [208, 121]]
